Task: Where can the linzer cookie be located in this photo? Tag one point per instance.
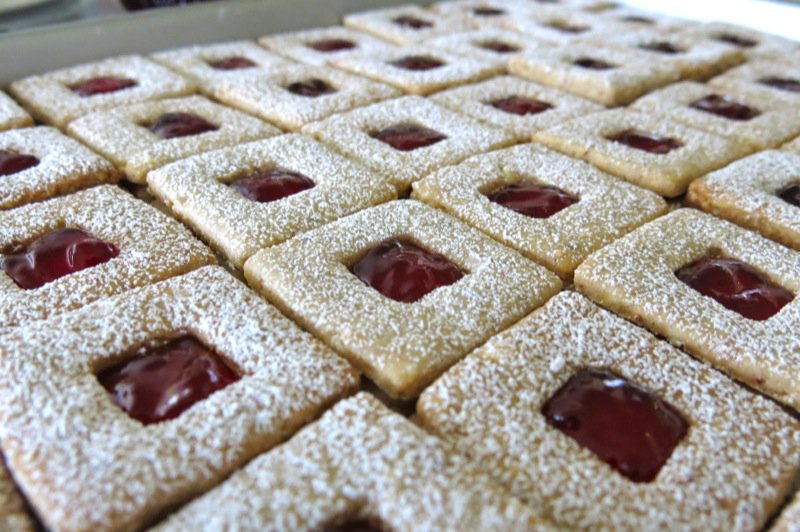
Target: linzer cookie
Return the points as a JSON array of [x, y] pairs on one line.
[[320, 46], [11, 114]]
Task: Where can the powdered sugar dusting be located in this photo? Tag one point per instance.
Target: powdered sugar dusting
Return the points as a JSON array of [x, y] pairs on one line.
[[11, 114], [13, 516], [297, 45]]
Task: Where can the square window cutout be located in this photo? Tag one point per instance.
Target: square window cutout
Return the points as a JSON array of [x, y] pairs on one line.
[[11, 114], [518, 106], [13, 514], [551, 208], [320, 46], [404, 25], [107, 412], [39, 162], [562, 26], [760, 192], [486, 14], [347, 282], [406, 138], [726, 294], [748, 117], [256, 195], [596, 423], [293, 96], [86, 246], [380, 472], [141, 137], [490, 45], [774, 79], [650, 151], [606, 75], [752, 43], [58, 97]]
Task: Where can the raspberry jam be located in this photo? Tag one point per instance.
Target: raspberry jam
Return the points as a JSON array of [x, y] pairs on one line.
[[331, 45], [232, 63], [629, 428], [663, 47], [55, 255], [407, 21], [725, 107], [520, 105], [638, 19], [272, 185], [12, 162], [641, 140], [103, 85], [535, 201], [568, 28], [408, 137], [736, 286], [164, 382], [173, 125], [487, 11], [310, 88], [353, 526], [791, 194], [784, 84], [417, 62], [403, 271], [592, 64], [499, 46], [736, 40]]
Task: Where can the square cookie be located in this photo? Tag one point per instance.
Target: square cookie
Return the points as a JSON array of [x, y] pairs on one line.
[[149, 247], [426, 137], [379, 472], [752, 42], [320, 46], [513, 404], [321, 186], [562, 26], [486, 14], [501, 193], [11, 114], [638, 277], [610, 76], [13, 516], [516, 105], [760, 192], [404, 25], [748, 117], [141, 137], [86, 463], [293, 96], [650, 151], [39, 162], [490, 45], [637, 19], [58, 97], [402, 343], [774, 79]]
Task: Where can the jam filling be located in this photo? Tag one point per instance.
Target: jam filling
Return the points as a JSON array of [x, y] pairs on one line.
[[166, 381], [650, 143], [232, 63], [408, 137], [628, 427], [499, 46], [332, 45], [173, 125], [357, 525], [663, 47], [736, 286], [12, 162], [55, 255], [736, 40], [102, 85], [784, 84], [791, 194], [568, 28], [311, 88], [520, 105], [487, 11], [407, 21], [725, 107], [535, 201], [592, 64], [417, 62], [272, 185], [403, 271], [638, 19]]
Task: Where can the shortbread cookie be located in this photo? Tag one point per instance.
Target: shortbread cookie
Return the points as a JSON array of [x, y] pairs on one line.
[[66, 252], [752, 42], [403, 25], [562, 27], [256, 195], [58, 97], [139, 138], [39, 162], [773, 78], [636, 19], [407, 138], [131, 414], [402, 290], [789, 520], [650, 151], [320, 46], [13, 517], [549, 207], [518, 106], [11, 114], [760, 192], [745, 326], [597, 424], [486, 14], [294, 96], [610, 76], [490, 45]]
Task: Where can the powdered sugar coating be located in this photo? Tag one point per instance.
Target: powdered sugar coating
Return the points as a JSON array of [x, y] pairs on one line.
[[789, 520], [473, 44], [380, 23], [471, 11], [747, 76], [563, 27], [122, 136], [401, 346], [13, 517], [730, 471], [152, 247], [11, 114], [296, 45], [86, 465], [637, 19], [49, 99], [764, 42], [635, 277]]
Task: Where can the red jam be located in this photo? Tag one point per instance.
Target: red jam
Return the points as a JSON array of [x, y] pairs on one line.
[[332, 45], [736, 40], [784, 84], [166, 381], [55, 255], [353, 526], [408, 137], [102, 85], [499, 46], [736, 286], [487, 11], [405, 272], [646, 142], [535, 201], [272, 185], [663, 47], [173, 125], [407, 21], [417, 62], [592, 64], [232, 63], [791, 194], [725, 107], [12, 162], [637, 19], [519, 105], [311, 88], [631, 429], [568, 28]]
